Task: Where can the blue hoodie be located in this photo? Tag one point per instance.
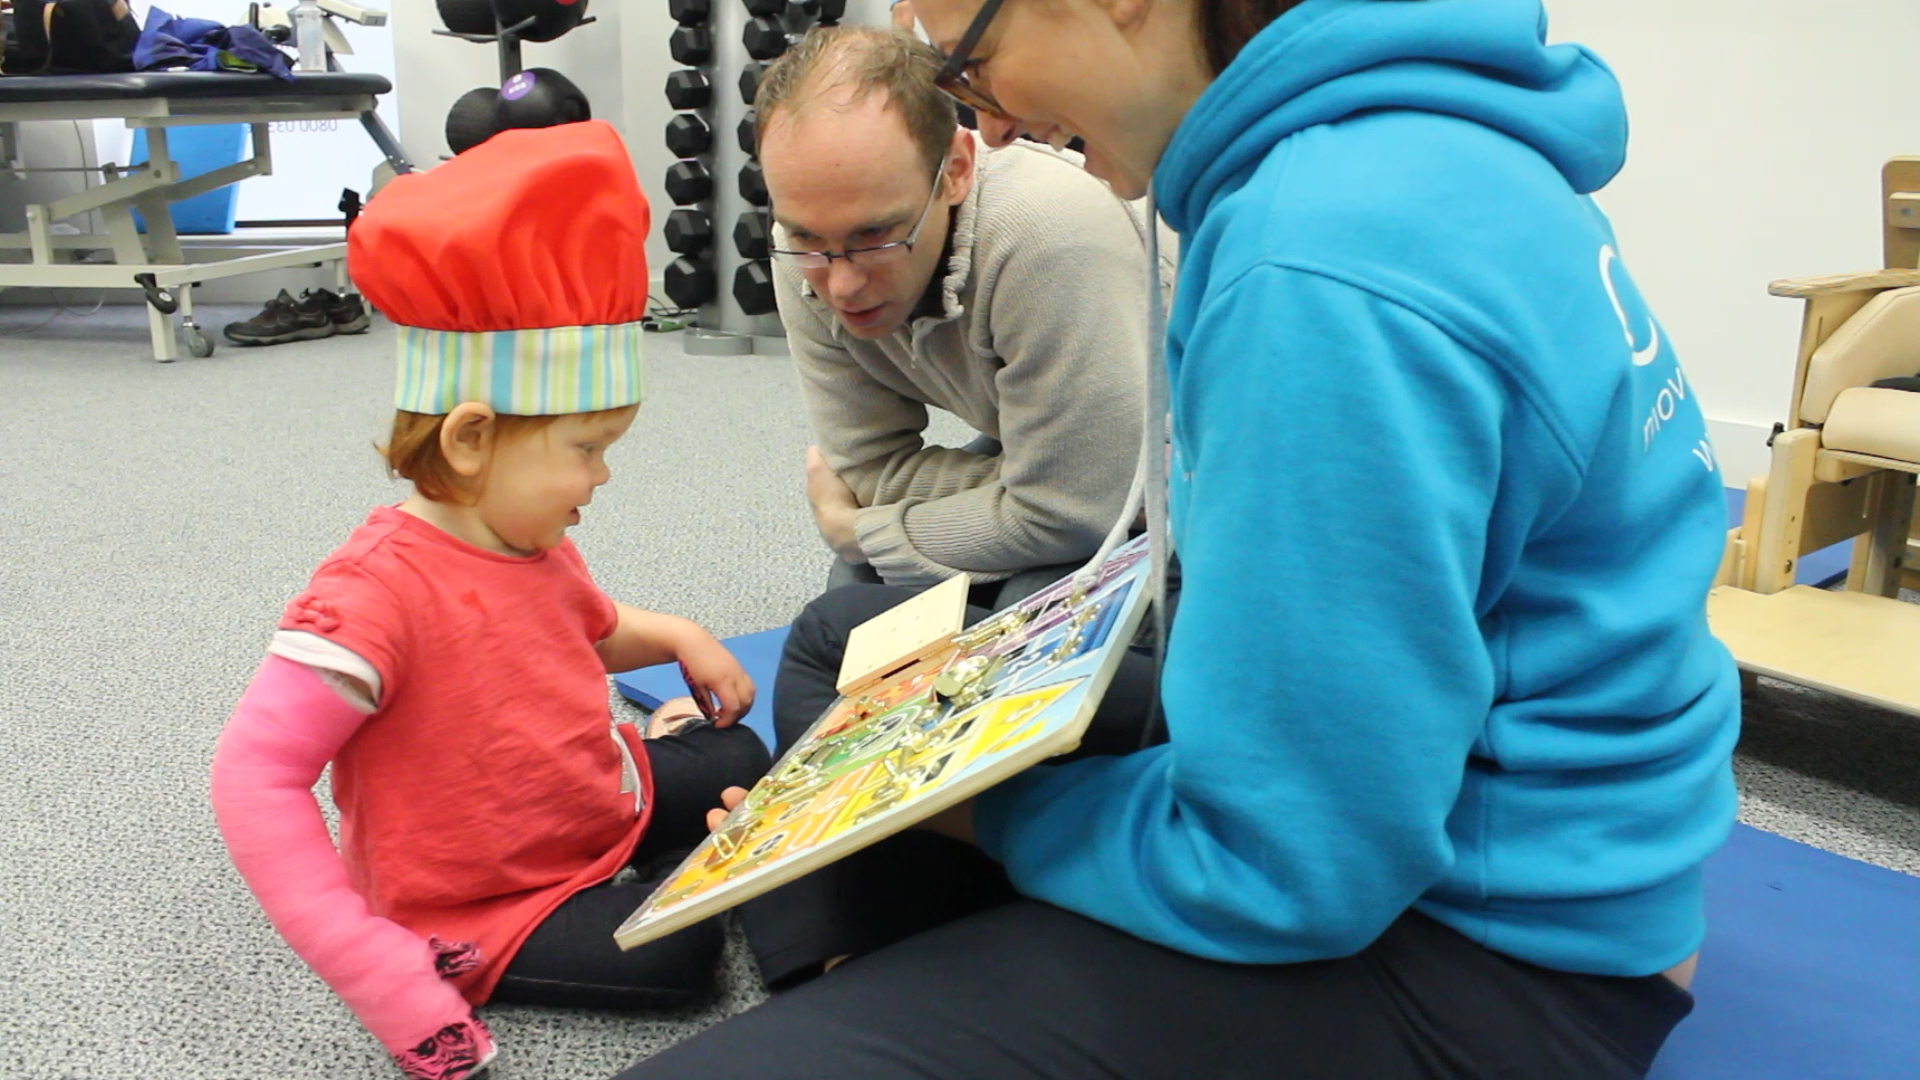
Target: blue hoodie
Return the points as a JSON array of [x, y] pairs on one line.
[[1447, 516]]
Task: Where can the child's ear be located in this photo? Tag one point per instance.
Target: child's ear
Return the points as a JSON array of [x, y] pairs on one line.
[[467, 436]]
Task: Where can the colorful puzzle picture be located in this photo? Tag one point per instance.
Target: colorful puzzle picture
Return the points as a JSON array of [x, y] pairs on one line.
[[1007, 693]]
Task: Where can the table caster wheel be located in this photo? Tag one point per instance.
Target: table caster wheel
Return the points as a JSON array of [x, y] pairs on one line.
[[162, 299], [198, 342]]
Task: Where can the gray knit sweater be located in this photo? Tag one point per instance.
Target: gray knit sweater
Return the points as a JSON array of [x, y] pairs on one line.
[[1041, 345]]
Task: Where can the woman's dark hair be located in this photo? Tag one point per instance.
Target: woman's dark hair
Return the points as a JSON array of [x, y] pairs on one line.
[[1227, 25]]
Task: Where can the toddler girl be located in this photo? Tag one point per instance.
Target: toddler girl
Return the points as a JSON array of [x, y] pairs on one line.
[[450, 659]]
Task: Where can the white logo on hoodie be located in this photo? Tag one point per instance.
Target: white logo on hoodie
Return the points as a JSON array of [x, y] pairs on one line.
[[1641, 357]]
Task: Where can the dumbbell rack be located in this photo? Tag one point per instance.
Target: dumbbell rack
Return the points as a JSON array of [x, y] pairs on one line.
[[720, 228]]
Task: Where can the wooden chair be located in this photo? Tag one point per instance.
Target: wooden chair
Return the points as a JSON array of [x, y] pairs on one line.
[[1843, 466]]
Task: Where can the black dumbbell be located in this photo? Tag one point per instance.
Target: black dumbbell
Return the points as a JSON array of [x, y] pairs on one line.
[[689, 281], [831, 12], [688, 182], [751, 235], [747, 135], [753, 287], [688, 231], [551, 18], [540, 97], [766, 7], [688, 135], [691, 45], [750, 81], [470, 122], [689, 88], [753, 185], [690, 12], [765, 38]]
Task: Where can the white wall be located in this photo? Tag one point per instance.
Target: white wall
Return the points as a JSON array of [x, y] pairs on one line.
[[1759, 129]]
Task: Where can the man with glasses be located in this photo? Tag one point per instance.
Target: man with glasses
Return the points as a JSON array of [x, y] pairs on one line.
[[915, 268]]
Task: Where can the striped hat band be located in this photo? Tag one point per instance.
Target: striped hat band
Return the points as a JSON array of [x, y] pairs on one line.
[[546, 372]]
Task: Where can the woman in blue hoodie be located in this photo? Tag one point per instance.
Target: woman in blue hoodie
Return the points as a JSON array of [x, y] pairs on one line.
[[1448, 737]]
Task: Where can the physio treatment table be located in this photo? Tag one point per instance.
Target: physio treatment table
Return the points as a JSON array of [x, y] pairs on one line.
[[158, 102]]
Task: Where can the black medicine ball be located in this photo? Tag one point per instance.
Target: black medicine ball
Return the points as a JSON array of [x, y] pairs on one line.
[[537, 98]]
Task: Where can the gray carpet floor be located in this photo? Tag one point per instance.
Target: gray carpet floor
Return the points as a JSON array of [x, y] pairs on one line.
[[153, 520]]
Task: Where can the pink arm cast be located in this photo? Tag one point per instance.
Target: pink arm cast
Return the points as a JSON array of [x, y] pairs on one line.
[[288, 725]]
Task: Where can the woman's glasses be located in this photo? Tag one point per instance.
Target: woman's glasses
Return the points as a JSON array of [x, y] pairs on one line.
[[952, 78]]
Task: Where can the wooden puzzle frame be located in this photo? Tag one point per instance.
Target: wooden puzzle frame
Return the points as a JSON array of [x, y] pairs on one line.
[[1003, 695]]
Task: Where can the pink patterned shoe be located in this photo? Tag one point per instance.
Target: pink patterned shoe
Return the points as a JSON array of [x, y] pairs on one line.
[[456, 1052]]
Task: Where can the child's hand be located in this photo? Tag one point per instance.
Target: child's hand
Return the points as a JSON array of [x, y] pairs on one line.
[[729, 799], [711, 669]]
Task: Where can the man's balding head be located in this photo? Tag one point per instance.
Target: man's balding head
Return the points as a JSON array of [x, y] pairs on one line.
[[834, 67]]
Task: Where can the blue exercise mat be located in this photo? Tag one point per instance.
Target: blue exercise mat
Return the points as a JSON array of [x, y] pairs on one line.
[[1810, 971], [759, 653]]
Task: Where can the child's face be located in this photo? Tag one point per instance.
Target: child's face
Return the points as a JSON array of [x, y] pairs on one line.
[[536, 484]]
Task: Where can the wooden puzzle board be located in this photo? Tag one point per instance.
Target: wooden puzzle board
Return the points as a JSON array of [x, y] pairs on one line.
[[1009, 692]]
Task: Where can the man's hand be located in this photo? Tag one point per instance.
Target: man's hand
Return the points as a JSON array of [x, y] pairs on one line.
[[834, 507], [713, 670]]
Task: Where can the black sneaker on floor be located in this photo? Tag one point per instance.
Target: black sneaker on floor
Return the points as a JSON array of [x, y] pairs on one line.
[[284, 319], [349, 312]]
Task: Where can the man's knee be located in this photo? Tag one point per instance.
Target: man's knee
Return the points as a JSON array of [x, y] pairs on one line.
[[828, 618]]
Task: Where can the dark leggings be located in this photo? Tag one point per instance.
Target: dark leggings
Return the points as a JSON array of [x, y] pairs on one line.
[[955, 977], [1026, 991], [571, 960]]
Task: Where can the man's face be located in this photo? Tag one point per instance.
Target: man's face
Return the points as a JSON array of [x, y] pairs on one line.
[[846, 174]]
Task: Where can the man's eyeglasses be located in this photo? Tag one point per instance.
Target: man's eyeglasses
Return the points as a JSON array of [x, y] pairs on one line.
[[952, 77], [877, 255]]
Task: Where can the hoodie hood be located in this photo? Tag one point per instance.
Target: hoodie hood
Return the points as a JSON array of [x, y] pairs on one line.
[[1486, 61]]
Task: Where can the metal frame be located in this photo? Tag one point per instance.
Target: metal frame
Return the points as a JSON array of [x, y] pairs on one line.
[[156, 263]]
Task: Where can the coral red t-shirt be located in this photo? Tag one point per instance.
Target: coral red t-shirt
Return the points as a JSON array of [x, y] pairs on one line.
[[486, 788]]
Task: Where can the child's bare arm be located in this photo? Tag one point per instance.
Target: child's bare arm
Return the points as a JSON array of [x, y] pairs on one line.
[[643, 638]]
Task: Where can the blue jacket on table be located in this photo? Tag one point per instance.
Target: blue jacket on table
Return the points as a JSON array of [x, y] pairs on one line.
[[1447, 517]]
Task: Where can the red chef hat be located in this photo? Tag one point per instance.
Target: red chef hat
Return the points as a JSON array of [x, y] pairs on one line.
[[517, 271]]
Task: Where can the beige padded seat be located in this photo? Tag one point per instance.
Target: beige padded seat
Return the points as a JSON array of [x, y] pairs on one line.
[[1884, 423], [1881, 341]]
